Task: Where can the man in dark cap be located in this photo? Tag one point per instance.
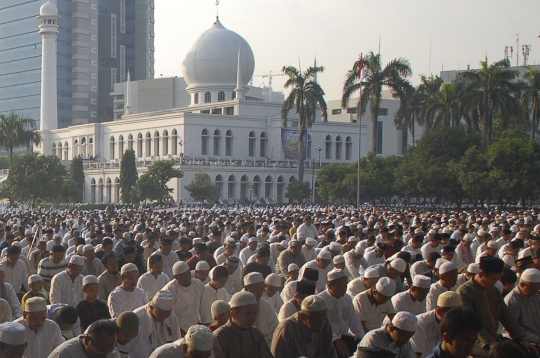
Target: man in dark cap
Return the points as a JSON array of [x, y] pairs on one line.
[[310, 275], [481, 295], [303, 289]]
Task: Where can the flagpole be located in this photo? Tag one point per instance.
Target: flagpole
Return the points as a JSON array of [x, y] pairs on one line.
[[359, 116]]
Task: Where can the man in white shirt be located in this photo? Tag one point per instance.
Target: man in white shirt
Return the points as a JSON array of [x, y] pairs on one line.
[[213, 291], [420, 267], [271, 291], [355, 261], [447, 282], [308, 249], [321, 264], [363, 283], [153, 280], [169, 257], [248, 251], [306, 229], [434, 245], [15, 270], [66, 286], [199, 341], [127, 296], [266, 320], [414, 299], [375, 304], [92, 266], [376, 256]]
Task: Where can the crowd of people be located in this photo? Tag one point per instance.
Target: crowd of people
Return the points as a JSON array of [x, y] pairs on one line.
[[250, 282]]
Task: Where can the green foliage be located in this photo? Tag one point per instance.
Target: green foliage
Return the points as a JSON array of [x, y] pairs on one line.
[[152, 185], [77, 176], [201, 187], [128, 175], [71, 192], [297, 191], [472, 173], [16, 132]]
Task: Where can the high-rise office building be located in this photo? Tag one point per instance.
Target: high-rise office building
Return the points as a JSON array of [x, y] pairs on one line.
[[98, 42]]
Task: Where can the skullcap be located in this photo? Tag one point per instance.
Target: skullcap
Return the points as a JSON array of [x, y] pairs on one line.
[[163, 300], [421, 281], [128, 268], [292, 267], [352, 238], [449, 299], [197, 240], [305, 288], [359, 250], [371, 272], [126, 235], [202, 265], [398, 264], [242, 298], [335, 246], [76, 260], [219, 307], [273, 280], [468, 237], [338, 259], [386, 287], [230, 241], [57, 236], [335, 275], [480, 232], [311, 241], [473, 268], [252, 239], [530, 275], [295, 243], [284, 244], [491, 264], [311, 274], [324, 255], [447, 267], [192, 233], [180, 267], [405, 321], [28, 232], [128, 322], [492, 245], [89, 279], [88, 247], [314, 303], [432, 232], [233, 260], [439, 262], [252, 278], [509, 260], [522, 254], [34, 278], [12, 333], [35, 304]]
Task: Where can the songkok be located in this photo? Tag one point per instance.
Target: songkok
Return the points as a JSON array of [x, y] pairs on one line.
[[449, 299], [311, 241], [371, 273], [335, 246], [179, 267], [163, 300], [371, 352], [473, 268], [218, 307], [128, 322], [398, 264], [202, 265], [508, 260], [12, 333], [34, 278], [359, 250], [421, 281], [128, 268], [338, 259], [313, 303], [530, 275], [273, 280], [284, 244], [491, 264], [335, 275], [35, 304], [447, 267], [468, 237], [89, 279], [295, 243], [439, 262], [305, 288], [233, 261], [386, 287], [492, 245], [292, 267], [76, 260], [382, 247], [524, 261], [252, 278], [252, 239], [311, 274], [87, 247], [243, 298], [324, 255]]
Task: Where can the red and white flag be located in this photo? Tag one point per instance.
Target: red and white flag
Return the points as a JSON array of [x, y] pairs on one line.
[[361, 70]]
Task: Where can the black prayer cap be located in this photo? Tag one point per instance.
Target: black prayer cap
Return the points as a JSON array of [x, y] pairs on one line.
[[491, 264], [311, 274], [305, 288]]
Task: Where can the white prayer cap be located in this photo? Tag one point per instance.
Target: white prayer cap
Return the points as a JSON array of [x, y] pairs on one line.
[[273, 280], [284, 244], [12, 333], [252, 239], [80, 250], [293, 267], [202, 265], [126, 235], [439, 262], [311, 241], [530, 275], [352, 238], [418, 231], [76, 260], [421, 281], [359, 250], [163, 229], [508, 260], [398, 264], [218, 307], [193, 233], [338, 259], [200, 338], [89, 279], [179, 268], [371, 273], [492, 245], [480, 232], [522, 254], [129, 267], [244, 238], [447, 267], [28, 232], [386, 287], [183, 229], [197, 240], [57, 236], [163, 300], [468, 237], [432, 232], [88, 247], [405, 321], [242, 298], [449, 299], [473, 268], [313, 303], [324, 255], [34, 278], [446, 230], [335, 275], [252, 278], [334, 246], [35, 304], [495, 229]]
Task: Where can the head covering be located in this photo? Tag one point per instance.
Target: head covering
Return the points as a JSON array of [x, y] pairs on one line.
[[12, 333], [252, 278], [405, 321], [468, 237], [509, 260], [491, 264], [35, 304], [252, 239], [218, 307], [338, 259], [449, 299], [273, 280], [88, 247], [242, 298], [324, 255], [305, 288], [530, 275], [89, 279], [128, 268], [311, 274], [492, 244], [447, 267], [421, 281], [128, 322], [386, 287], [473, 268], [359, 250], [34, 278], [180, 267], [371, 272], [398, 264], [524, 261], [163, 300], [311, 241], [335, 275], [439, 262], [202, 265], [313, 303], [76, 260], [292, 267], [334, 246], [295, 243], [284, 244], [232, 260]]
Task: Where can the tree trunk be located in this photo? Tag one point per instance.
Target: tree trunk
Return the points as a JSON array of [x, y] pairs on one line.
[[374, 135], [301, 153], [412, 134], [484, 133], [533, 125]]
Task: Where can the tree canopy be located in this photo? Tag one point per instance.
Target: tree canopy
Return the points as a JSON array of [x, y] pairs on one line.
[[201, 188], [128, 175], [17, 131], [152, 185]]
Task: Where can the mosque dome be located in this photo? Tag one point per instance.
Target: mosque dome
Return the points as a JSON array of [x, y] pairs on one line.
[[213, 59], [48, 9]]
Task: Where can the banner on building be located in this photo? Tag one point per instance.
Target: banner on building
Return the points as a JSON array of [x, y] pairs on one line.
[[289, 142]]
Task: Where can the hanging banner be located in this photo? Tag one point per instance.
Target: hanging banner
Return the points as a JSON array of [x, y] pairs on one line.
[[289, 142]]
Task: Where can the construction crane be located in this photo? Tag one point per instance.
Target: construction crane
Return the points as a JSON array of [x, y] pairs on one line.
[[268, 75]]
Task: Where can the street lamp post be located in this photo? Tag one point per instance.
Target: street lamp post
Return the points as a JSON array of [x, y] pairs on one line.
[[319, 148]]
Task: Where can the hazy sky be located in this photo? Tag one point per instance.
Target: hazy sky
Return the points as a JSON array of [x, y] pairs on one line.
[[281, 31]]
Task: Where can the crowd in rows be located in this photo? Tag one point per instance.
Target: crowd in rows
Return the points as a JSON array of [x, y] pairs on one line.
[[269, 282]]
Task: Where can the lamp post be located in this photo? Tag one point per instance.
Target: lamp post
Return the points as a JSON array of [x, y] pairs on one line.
[[319, 148]]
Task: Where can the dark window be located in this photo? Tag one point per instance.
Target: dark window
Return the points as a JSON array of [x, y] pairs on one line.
[[196, 99], [221, 96], [207, 97], [351, 110], [229, 111], [379, 137], [383, 111], [336, 111], [216, 111]]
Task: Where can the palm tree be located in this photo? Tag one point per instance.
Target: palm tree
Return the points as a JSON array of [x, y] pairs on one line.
[[376, 78], [489, 91], [444, 107], [530, 97], [408, 113], [16, 131], [305, 98], [427, 92]]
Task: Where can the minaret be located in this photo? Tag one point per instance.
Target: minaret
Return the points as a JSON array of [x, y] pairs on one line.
[[48, 29], [239, 87], [127, 107]]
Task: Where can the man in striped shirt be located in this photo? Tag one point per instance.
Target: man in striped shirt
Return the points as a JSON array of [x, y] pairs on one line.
[[50, 266]]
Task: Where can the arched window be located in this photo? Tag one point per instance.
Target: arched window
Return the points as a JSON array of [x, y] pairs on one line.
[[217, 142], [120, 146], [91, 146], [204, 141], [219, 184], [54, 149], [130, 141], [156, 143], [66, 151], [75, 148], [207, 97], [268, 186], [348, 148], [263, 145], [328, 148], [231, 186], [233, 96], [59, 151], [252, 144], [148, 144], [116, 190], [109, 190], [339, 144], [100, 191], [196, 98], [111, 147], [257, 186], [83, 147], [309, 146], [221, 96], [280, 189], [228, 143], [139, 145], [165, 142], [244, 189], [93, 191], [174, 142]]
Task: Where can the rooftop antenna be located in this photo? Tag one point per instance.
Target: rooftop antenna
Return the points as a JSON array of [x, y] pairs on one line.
[[508, 52], [379, 43], [429, 68], [517, 49], [315, 66], [526, 50], [299, 67], [217, 9]]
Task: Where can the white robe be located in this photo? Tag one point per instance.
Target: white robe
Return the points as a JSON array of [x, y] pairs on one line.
[[168, 261], [427, 335], [151, 285], [309, 254], [42, 343], [13, 301], [209, 296], [16, 276], [245, 254], [172, 350], [355, 267], [73, 349], [120, 300], [380, 339], [234, 283], [372, 259], [435, 291], [372, 314], [155, 334], [356, 286], [275, 301], [321, 282], [266, 320], [65, 290], [403, 301], [288, 309], [342, 316], [187, 302]]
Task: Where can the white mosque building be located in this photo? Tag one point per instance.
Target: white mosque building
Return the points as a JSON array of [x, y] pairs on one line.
[[210, 120]]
